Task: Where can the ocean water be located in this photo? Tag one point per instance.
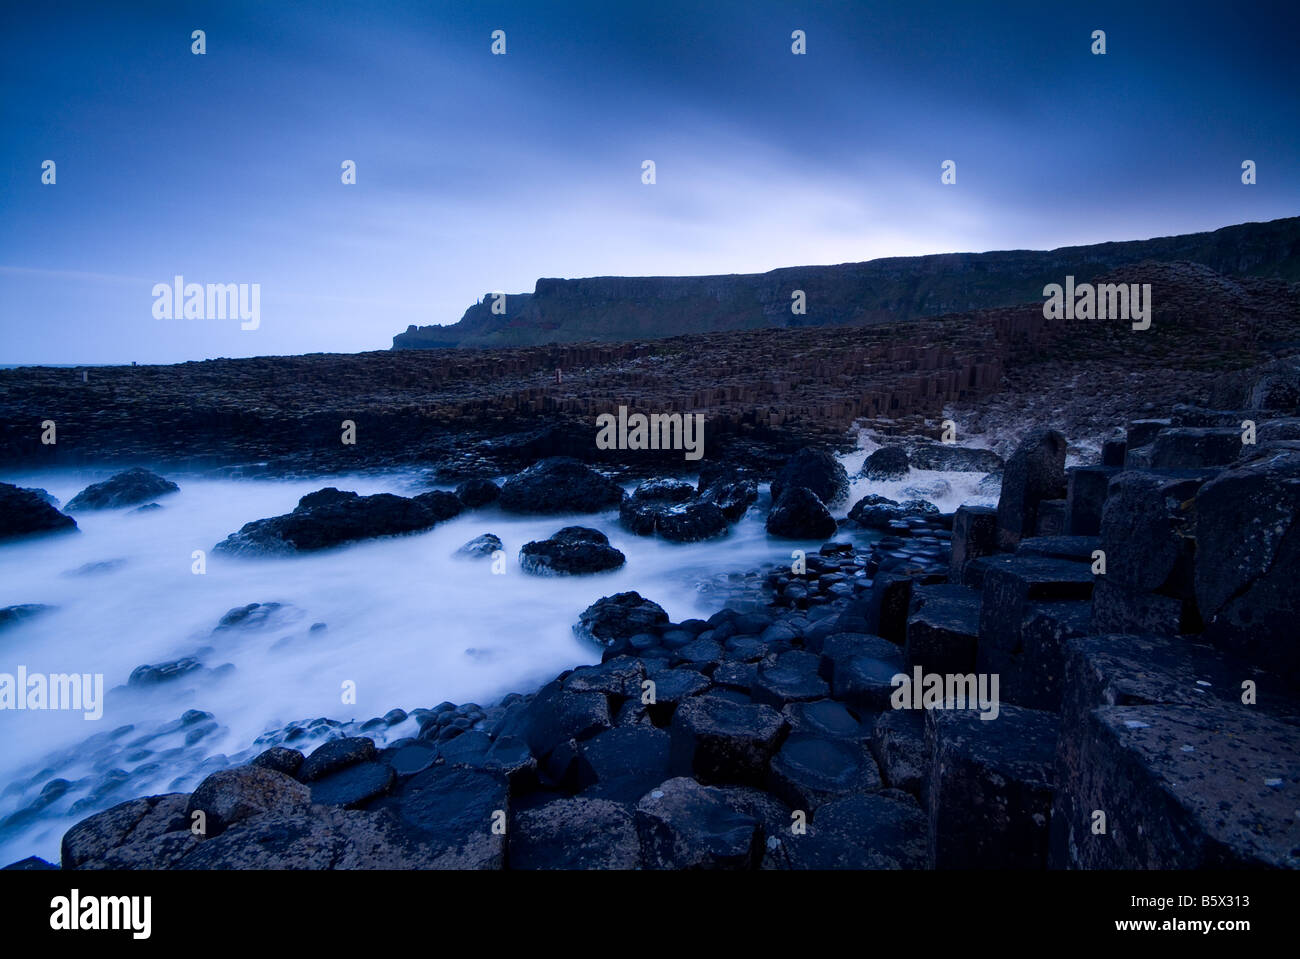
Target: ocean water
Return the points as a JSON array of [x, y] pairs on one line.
[[406, 624]]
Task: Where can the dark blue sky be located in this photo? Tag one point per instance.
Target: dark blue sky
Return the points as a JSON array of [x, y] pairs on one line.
[[478, 172]]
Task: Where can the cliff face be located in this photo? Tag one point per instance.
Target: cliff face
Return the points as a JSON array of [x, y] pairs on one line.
[[614, 308]]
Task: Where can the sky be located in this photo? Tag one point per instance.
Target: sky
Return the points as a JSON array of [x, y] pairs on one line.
[[478, 172]]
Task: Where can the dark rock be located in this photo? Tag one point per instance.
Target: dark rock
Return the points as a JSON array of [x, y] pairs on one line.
[[451, 811], [1191, 447], [875, 512], [1142, 433], [942, 634], [622, 764], [692, 523], [1035, 472], [990, 788], [618, 618], [724, 742], [574, 550], [974, 534], [232, 795], [1247, 560], [330, 517], [950, 457], [151, 675], [480, 547], [684, 825], [25, 513], [125, 489], [1112, 453], [733, 495], [883, 830], [280, 759], [336, 754], [810, 771], [898, 743], [476, 493], [94, 838], [353, 786], [559, 485], [13, 615], [886, 463], [555, 716], [800, 514], [816, 470], [578, 833], [440, 504], [640, 511]]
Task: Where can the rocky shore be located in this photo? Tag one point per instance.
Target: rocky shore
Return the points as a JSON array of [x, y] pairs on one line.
[[1136, 612]]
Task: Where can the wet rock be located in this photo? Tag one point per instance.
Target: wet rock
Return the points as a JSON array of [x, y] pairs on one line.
[[949, 457], [1247, 560], [810, 771], [578, 833], [330, 517], [354, 785], [232, 795], [886, 463], [990, 788], [450, 812], [618, 618], [943, 633], [691, 523], [335, 755], [476, 493], [574, 550], [555, 716], [95, 837], [622, 764], [732, 494], [800, 514], [24, 513], [559, 485], [884, 830], [640, 511], [1035, 472], [898, 743], [441, 505], [826, 718], [13, 615], [124, 489], [875, 512], [684, 825], [480, 547], [719, 741], [816, 470], [152, 675], [281, 759]]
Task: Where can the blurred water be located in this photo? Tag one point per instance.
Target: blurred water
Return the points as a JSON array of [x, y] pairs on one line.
[[409, 625]]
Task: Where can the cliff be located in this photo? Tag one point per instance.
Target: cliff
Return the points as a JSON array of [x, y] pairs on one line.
[[615, 309]]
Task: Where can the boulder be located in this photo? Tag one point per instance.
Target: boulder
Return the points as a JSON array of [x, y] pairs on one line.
[[331, 517], [800, 514], [1035, 472], [336, 754], [732, 493], [476, 493], [232, 795], [816, 470], [684, 825], [25, 513], [886, 463], [577, 833], [617, 618], [573, 550], [719, 741], [990, 788], [128, 488], [949, 457], [559, 485], [480, 547], [1247, 560]]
